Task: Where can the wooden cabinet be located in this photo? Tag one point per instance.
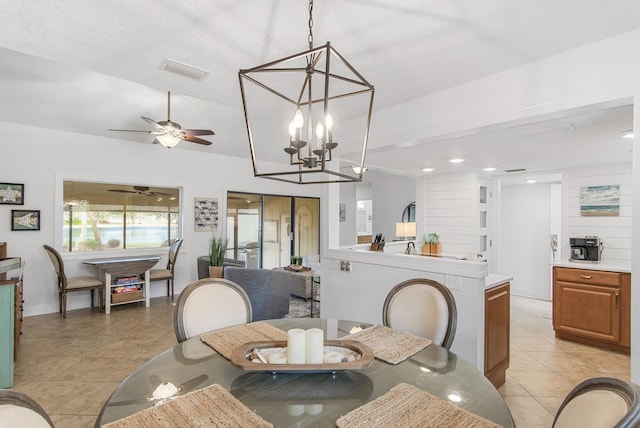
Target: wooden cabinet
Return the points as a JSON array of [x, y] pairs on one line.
[[592, 307], [497, 314]]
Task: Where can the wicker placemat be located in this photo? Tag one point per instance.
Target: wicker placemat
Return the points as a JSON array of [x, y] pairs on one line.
[[407, 406], [392, 346], [225, 341], [212, 406]]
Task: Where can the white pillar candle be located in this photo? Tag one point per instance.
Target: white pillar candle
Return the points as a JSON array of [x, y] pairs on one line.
[[332, 358], [277, 359], [314, 346], [295, 346]]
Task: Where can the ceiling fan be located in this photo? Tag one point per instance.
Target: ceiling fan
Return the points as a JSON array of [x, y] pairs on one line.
[[170, 133], [140, 190]]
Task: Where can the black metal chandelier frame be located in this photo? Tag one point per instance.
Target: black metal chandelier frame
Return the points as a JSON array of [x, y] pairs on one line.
[[304, 159]]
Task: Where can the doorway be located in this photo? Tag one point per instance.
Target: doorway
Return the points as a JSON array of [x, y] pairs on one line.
[[266, 230]]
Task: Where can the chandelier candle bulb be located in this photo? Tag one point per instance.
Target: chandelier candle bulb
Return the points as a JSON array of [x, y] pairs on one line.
[[296, 346], [329, 123], [314, 346]]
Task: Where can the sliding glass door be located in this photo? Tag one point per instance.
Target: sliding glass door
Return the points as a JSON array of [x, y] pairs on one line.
[[266, 230]]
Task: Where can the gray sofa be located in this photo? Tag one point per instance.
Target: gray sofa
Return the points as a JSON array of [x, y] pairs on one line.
[[268, 290]]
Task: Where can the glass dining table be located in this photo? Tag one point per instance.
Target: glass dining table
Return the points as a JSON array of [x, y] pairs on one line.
[[305, 399]]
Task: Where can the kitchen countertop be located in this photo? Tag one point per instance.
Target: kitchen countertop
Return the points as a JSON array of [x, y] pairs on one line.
[[594, 266], [493, 280]]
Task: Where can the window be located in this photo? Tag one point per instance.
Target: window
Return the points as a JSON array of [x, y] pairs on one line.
[[101, 216]]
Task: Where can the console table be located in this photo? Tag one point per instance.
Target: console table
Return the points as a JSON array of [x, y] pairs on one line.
[[125, 267]]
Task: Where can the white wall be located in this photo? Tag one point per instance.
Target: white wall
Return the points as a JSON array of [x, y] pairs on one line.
[[615, 232], [451, 209], [525, 229], [390, 194], [40, 158]]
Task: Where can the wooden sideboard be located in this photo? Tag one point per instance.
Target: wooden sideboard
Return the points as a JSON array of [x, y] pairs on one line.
[[592, 307]]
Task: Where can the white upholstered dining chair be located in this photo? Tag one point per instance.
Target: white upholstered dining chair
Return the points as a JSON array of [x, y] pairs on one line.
[[17, 410], [210, 304], [422, 307], [168, 273], [600, 402]]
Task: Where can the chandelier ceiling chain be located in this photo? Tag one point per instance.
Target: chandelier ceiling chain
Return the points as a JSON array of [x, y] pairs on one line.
[[310, 38], [327, 80]]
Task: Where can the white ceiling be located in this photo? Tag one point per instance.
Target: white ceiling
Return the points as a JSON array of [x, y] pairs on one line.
[[89, 65]]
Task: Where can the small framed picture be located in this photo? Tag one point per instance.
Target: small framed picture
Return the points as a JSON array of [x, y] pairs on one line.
[[11, 194], [25, 220]]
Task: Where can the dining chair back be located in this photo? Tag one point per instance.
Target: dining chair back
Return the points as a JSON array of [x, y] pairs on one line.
[[600, 402], [17, 410], [69, 284], [168, 273], [422, 307], [210, 304]]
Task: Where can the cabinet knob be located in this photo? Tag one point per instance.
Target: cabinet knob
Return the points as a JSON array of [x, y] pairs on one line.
[[585, 276]]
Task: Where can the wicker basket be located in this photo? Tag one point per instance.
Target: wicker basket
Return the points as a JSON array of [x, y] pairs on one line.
[[127, 296]]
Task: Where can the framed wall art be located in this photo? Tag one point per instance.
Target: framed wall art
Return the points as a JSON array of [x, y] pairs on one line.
[[205, 214], [22, 220], [600, 201], [11, 194]]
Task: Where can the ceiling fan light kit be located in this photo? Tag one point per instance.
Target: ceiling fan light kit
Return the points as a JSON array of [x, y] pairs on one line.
[[299, 104], [170, 133]]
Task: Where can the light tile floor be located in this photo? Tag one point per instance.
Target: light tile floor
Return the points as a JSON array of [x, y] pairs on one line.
[[71, 366], [544, 369]]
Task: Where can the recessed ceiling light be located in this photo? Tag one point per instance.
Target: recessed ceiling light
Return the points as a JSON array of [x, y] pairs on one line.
[[530, 180], [456, 160], [627, 134], [491, 168], [427, 169]]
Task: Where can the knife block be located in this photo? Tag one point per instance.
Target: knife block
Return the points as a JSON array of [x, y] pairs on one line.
[[376, 247]]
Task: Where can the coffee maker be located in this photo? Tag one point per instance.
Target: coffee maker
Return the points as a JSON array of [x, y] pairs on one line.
[[585, 250]]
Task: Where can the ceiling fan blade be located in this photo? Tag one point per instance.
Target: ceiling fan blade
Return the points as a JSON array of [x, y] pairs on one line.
[[191, 132], [121, 191], [197, 140], [153, 123], [132, 130]]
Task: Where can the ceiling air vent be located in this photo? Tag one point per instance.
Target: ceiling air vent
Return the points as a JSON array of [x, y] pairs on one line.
[[515, 170], [177, 67]]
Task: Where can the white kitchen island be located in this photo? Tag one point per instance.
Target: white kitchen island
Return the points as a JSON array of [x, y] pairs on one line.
[[355, 283]]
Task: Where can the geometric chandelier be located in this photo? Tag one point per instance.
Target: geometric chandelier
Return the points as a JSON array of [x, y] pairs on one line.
[[303, 111]]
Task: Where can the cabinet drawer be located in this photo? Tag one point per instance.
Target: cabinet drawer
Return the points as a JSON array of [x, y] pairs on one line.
[[586, 276]]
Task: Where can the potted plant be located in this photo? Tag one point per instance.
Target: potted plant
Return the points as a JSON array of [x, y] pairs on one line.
[[431, 243], [217, 251]]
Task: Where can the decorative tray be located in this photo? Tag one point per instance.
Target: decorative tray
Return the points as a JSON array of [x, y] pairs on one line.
[[356, 355]]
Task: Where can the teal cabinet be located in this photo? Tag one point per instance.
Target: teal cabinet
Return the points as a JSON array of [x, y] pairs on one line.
[[7, 327]]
